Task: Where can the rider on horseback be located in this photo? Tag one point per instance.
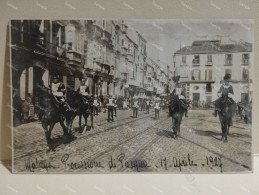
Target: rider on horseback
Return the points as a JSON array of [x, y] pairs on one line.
[[84, 91], [58, 90], [180, 92], [226, 90]]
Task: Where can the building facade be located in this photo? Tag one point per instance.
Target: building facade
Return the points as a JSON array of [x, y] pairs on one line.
[[203, 65], [112, 56]]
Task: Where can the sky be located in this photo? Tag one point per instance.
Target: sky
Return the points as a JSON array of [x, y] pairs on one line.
[[164, 37]]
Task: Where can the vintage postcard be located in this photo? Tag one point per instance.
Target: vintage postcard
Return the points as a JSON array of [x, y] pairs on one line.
[[112, 96]]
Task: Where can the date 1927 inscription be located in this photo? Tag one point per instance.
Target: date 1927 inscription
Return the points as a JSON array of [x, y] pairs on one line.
[[121, 163]]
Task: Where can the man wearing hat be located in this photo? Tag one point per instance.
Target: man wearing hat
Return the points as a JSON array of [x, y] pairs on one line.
[[179, 90], [58, 91], [225, 90], [84, 89]]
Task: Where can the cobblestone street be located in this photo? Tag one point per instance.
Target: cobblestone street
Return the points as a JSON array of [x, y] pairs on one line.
[[136, 144]]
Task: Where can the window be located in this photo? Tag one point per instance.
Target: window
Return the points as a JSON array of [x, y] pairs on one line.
[[122, 42], [184, 60], [208, 75], [69, 46], [228, 71], [245, 59], [208, 87], [80, 43], [129, 48], [183, 72], [228, 59], [195, 75], [209, 60], [196, 60], [196, 87], [245, 74]]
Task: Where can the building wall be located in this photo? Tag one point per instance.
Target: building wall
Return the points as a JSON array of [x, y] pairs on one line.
[[218, 69]]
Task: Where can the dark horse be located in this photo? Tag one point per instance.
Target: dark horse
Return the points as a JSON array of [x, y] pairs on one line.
[[176, 111], [49, 114], [226, 112], [82, 107]]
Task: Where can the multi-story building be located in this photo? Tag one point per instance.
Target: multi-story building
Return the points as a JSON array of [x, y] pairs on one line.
[[203, 65], [100, 56], [39, 49], [112, 55]]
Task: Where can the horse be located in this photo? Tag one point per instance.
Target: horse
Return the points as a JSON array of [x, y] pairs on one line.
[[82, 107], [49, 114], [176, 111], [226, 112]]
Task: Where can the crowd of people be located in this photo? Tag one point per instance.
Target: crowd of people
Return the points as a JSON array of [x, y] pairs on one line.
[[24, 109]]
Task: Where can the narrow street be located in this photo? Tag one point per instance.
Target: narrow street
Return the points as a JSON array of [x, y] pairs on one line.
[[136, 144]]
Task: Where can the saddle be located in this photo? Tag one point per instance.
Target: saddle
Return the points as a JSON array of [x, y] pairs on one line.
[[87, 102], [175, 101]]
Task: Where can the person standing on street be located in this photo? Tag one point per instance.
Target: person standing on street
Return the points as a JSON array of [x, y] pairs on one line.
[[115, 105], [147, 106], [95, 105], [135, 108], [157, 108], [110, 106]]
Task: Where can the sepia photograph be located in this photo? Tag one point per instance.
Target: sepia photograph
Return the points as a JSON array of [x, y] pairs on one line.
[[132, 96]]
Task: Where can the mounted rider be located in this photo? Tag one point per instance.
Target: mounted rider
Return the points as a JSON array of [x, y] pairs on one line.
[[226, 90], [58, 90], [180, 92], [84, 91]]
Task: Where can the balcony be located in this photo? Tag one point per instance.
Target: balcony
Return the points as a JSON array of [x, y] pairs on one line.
[[124, 50], [130, 57], [209, 64], [228, 63], [150, 88], [74, 58]]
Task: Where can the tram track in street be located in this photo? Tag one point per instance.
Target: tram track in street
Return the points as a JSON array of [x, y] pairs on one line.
[[78, 138], [147, 129], [110, 127]]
